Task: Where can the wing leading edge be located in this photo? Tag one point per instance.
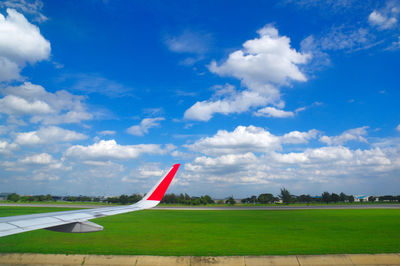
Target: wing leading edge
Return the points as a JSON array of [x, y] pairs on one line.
[[77, 221]]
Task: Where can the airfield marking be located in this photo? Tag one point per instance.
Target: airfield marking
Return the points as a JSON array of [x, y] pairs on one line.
[[295, 260]]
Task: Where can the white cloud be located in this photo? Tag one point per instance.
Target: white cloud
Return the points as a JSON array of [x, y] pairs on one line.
[[14, 105], [144, 126], [273, 112], [241, 140], [307, 166], [297, 137], [189, 42], [20, 43], [6, 148], [109, 149], [381, 21], [42, 158], [46, 135], [249, 139], [45, 177], [30, 7], [264, 60], [107, 132], [398, 128], [43, 107], [144, 173], [262, 65], [355, 134], [238, 102]]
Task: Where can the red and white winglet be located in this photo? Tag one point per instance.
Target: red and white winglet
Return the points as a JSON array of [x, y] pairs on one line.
[[155, 195]]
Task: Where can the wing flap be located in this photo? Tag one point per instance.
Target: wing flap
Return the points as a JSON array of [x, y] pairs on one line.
[[75, 216]]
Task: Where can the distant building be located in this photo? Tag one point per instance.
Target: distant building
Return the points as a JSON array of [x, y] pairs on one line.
[[361, 198], [3, 196]]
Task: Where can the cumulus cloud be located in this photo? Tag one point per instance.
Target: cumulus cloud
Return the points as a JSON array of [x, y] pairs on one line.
[[242, 139], [144, 126], [355, 134], [20, 43], [236, 102], [143, 173], [249, 139], [46, 135], [42, 106], [382, 21], [42, 158], [262, 65], [109, 149], [273, 112], [6, 148], [230, 159], [264, 60], [297, 137], [14, 105], [398, 128]]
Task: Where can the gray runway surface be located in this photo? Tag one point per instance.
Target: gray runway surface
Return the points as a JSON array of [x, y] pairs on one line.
[[269, 208]]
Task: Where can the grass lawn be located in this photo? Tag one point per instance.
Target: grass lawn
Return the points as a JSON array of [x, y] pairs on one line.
[[237, 232]]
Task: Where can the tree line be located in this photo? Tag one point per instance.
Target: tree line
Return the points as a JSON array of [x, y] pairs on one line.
[[284, 197]]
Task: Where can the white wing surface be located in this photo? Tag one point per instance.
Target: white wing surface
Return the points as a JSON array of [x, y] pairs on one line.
[[77, 221]]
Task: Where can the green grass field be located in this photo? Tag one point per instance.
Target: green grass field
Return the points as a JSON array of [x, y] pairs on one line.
[[237, 232]]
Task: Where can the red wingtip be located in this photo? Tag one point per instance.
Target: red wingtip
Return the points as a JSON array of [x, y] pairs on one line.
[[159, 192]]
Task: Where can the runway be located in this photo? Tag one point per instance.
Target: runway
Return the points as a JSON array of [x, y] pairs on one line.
[[222, 208]]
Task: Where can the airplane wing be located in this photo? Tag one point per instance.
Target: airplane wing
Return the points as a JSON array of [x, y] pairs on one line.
[[77, 221]]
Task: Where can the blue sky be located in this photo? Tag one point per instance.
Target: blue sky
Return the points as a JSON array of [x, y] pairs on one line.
[[102, 97]]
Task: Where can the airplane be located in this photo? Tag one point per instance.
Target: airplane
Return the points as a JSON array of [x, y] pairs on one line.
[[77, 221]]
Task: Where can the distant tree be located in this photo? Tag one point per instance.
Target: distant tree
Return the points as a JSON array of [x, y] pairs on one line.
[[13, 197], [195, 201], [96, 199], [335, 197], [136, 197], [285, 196], [304, 198], [343, 197], [230, 201], [124, 199], [41, 197], [85, 198], [350, 198], [265, 198], [220, 202], [72, 198], [24, 198], [206, 199], [253, 199], [326, 197], [371, 199], [245, 200], [112, 199]]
